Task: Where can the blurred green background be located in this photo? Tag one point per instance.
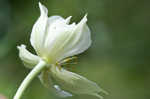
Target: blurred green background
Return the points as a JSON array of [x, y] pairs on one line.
[[118, 59]]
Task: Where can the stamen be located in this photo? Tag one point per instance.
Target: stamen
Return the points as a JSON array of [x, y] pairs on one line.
[[67, 61]]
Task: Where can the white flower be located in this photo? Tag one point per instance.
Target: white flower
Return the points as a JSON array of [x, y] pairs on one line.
[[54, 39]]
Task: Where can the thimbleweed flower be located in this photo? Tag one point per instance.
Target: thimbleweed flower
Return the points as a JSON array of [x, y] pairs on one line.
[[55, 40]]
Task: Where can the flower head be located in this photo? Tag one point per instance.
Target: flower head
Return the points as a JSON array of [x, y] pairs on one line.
[[55, 39]]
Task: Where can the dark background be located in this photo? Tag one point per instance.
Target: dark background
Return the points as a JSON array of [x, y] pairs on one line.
[[118, 60]]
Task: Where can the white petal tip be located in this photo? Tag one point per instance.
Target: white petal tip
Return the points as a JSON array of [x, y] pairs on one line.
[[40, 5], [21, 46], [68, 19], [43, 9], [85, 18], [86, 14]]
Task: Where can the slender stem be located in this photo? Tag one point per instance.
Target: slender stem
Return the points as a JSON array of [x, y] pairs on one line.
[[29, 78]]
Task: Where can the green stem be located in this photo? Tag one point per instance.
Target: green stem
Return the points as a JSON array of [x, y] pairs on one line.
[[29, 78]]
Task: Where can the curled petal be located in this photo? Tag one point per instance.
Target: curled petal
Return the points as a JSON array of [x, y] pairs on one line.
[[75, 83], [29, 59]]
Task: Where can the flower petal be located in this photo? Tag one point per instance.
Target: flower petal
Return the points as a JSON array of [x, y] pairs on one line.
[[29, 59], [40, 33], [64, 39], [74, 83], [46, 80], [81, 40], [58, 33], [39, 30]]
